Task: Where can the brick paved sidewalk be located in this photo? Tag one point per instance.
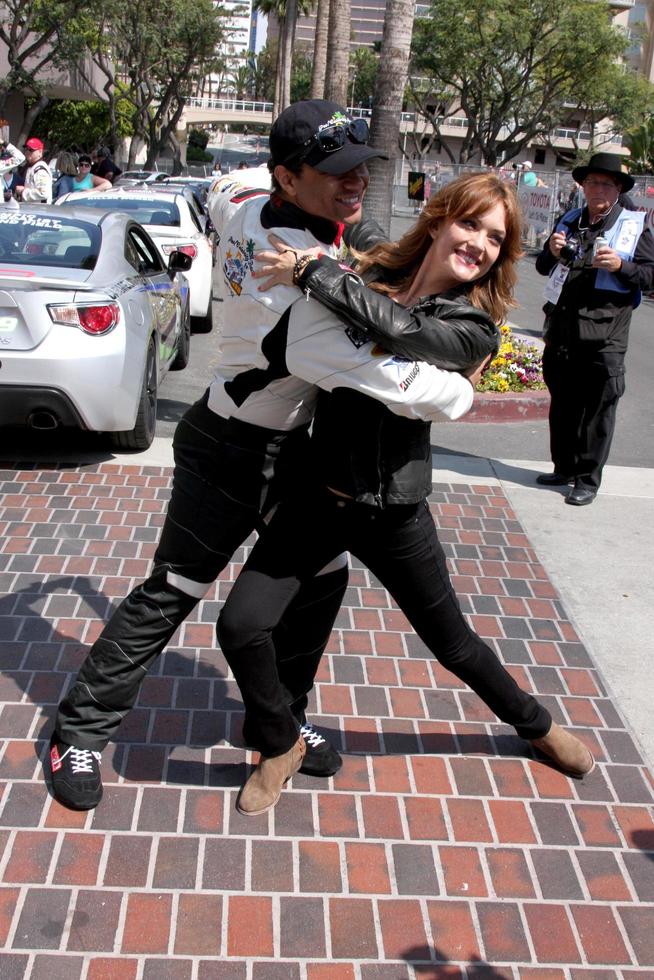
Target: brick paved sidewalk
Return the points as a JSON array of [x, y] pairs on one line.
[[442, 848]]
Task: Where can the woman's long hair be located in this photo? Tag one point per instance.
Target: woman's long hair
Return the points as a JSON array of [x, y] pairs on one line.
[[66, 163], [466, 197]]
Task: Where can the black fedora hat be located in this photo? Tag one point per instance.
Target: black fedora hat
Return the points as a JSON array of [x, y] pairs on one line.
[[604, 163]]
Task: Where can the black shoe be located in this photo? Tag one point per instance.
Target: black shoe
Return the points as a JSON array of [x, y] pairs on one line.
[[553, 479], [76, 780], [321, 758], [579, 496]]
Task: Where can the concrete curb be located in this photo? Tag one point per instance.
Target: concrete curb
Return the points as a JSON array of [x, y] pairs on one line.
[[508, 406]]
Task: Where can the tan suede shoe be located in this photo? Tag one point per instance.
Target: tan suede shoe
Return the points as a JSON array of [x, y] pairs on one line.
[[569, 753], [262, 790]]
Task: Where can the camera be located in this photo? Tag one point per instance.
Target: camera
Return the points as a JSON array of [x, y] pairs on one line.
[[569, 251]]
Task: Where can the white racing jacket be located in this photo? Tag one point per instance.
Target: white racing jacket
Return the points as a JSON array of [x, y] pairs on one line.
[[278, 348]]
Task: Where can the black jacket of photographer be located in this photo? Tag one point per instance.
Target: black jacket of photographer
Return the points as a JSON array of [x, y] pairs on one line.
[[359, 446], [587, 320]]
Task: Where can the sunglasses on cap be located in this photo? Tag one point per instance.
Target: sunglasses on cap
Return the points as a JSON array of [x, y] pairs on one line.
[[331, 138]]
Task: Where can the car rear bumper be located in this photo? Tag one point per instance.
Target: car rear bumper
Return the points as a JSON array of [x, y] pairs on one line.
[[96, 393], [36, 407]]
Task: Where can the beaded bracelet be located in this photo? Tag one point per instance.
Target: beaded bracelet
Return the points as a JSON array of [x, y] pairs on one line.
[[300, 266]]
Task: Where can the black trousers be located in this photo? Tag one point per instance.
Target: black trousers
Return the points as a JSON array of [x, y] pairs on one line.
[[225, 477], [584, 389], [401, 548]]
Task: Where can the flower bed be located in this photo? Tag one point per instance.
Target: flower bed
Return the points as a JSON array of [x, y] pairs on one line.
[[517, 367]]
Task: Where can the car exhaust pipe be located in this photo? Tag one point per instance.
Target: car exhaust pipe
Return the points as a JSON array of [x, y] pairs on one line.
[[43, 421]]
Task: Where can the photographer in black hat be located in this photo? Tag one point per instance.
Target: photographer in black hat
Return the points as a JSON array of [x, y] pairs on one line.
[[598, 258]]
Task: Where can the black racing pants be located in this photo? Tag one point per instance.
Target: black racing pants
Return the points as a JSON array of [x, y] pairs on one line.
[[401, 548], [226, 475], [585, 389]]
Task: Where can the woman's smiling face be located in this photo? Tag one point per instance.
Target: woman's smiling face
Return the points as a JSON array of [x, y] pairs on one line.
[[464, 249]]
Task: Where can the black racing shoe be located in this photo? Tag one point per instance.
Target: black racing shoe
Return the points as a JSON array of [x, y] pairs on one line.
[[321, 757], [76, 780]]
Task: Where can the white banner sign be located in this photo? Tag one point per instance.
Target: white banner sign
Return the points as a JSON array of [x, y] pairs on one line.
[[537, 204]]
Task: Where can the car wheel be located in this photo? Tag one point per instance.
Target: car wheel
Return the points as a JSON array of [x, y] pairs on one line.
[[183, 354], [203, 324], [141, 436]]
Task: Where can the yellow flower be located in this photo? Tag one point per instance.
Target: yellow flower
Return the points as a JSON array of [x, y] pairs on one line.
[[502, 385]]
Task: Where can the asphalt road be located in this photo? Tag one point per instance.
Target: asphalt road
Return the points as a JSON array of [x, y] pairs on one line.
[[633, 445]]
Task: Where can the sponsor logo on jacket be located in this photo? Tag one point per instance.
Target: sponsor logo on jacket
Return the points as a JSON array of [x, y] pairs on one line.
[[239, 260], [410, 378]]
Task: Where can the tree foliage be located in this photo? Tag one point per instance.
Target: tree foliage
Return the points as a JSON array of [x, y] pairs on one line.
[[364, 68], [515, 69], [264, 73], [641, 144], [80, 126], [30, 30], [154, 52]]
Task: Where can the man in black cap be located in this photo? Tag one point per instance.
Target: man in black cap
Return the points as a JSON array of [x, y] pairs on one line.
[[234, 449], [599, 259]]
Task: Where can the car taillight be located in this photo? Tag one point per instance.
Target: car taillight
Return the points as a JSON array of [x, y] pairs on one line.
[[92, 318], [186, 249]]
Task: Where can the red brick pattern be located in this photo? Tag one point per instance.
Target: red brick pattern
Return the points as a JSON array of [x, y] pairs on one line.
[[442, 849]]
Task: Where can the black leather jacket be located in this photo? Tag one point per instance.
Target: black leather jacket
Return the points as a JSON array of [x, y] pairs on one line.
[[360, 447]]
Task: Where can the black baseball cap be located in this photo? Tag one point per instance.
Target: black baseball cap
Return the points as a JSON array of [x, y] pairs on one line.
[[294, 129]]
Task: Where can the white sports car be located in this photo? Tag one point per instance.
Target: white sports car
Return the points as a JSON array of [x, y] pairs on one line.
[[173, 224], [91, 318]]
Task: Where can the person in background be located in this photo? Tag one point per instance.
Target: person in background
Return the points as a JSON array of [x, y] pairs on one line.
[[67, 168], [87, 181], [598, 258], [104, 165], [38, 177], [10, 159]]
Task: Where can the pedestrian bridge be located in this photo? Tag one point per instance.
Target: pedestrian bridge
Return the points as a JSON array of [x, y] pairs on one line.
[[221, 112]]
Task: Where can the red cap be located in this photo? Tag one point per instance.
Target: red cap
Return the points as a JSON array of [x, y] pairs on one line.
[[34, 143]]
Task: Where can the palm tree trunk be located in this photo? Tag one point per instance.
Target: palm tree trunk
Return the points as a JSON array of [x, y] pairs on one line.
[[277, 98], [288, 39], [320, 51], [387, 107], [338, 51]]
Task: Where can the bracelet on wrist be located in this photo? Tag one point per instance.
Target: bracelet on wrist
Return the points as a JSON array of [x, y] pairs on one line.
[[300, 266]]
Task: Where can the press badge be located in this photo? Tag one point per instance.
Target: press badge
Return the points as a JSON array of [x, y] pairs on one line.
[[555, 283], [628, 235]]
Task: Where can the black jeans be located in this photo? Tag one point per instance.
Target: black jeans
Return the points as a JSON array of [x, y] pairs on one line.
[[225, 477], [401, 548], [584, 389]]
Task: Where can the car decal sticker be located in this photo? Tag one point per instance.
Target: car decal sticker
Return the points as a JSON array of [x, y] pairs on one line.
[[9, 217]]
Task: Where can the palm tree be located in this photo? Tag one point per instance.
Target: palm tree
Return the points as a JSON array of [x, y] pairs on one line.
[[387, 106], [338, 51], [286, 12], [240, 78], [320, 51]]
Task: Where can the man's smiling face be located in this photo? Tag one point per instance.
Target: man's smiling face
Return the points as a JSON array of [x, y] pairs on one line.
[[335, 197]]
